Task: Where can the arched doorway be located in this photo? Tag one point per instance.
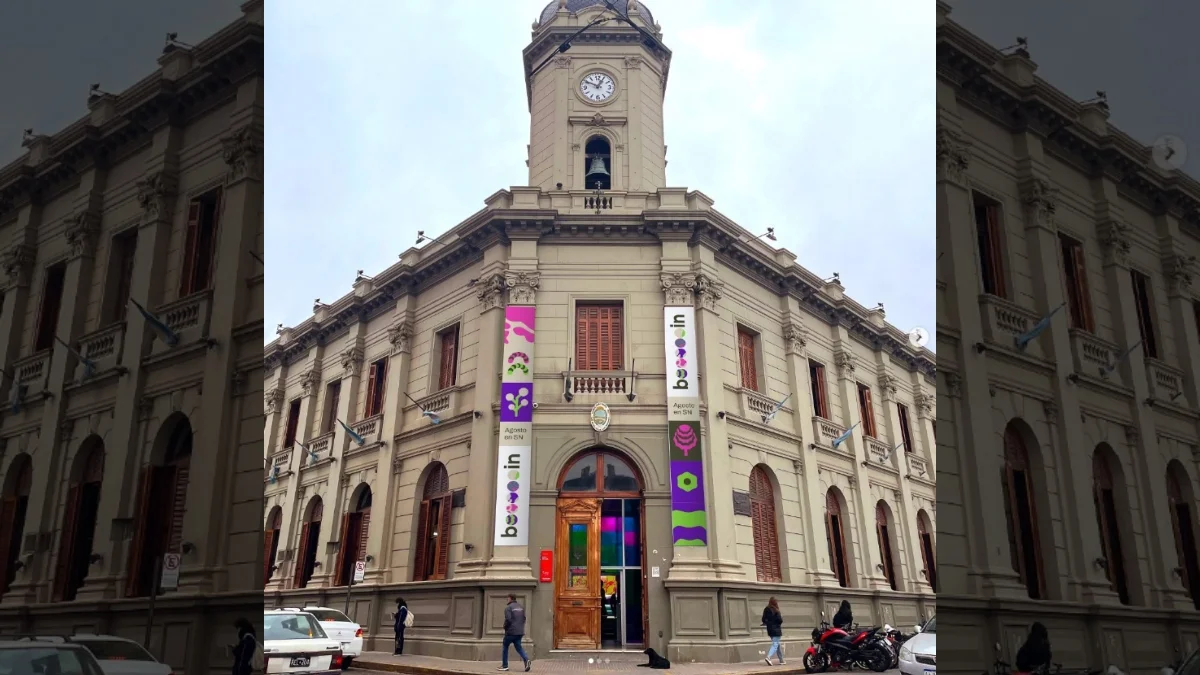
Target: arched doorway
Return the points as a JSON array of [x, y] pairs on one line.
[[1181, 502], [431, 560], [928, 552], [355, 526], [600, 581], [79, 520], [883, 532], [310, 536], [162, 502], [1020, 510], [1104, 499], [271, 543], [762, 520], [17, 486], [835, 536]]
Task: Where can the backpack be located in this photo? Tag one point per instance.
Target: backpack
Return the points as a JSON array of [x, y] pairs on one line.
[[408, 618], [257, 664]]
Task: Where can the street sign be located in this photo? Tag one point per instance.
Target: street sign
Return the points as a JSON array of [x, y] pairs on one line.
[[360, 571], [170, 572]]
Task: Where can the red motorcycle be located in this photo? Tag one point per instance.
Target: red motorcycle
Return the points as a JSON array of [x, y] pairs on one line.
[[837, 649]]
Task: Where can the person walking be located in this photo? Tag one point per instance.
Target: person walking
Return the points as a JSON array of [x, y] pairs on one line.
[[514, 630], [1034, 655], [243, 651], [772, 618], [401, 615]]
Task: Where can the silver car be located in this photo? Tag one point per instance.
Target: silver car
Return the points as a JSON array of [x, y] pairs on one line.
[[918, 656], [23, 657]]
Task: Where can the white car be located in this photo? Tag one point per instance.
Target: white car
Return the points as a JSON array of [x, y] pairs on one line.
[[120, 656], [294, 642], [918, 656], [341, 628], [34, 655]]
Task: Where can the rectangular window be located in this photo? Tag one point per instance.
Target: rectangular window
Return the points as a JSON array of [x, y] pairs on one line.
[[376, 386], [866, 411], [448, 357], [200, 243], [293, 423], [1075, 279], [748, 358], [120, 271], [599, 337], [905, 431], [1145, 314], [333, 395], [816, 376], [52, 292], [990, 234]]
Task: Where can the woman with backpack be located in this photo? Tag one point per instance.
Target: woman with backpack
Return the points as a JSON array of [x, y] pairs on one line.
[[772, 618], [403, 620], [246, 650]]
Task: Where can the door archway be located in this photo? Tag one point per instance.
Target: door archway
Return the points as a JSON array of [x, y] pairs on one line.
[[600, 579], [17, 486], [310, 535], [79, 520]]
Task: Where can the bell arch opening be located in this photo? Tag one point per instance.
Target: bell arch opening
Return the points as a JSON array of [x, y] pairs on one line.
[[598, 163]]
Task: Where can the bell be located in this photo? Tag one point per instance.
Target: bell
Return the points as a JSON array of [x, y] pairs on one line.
[[597, 167]]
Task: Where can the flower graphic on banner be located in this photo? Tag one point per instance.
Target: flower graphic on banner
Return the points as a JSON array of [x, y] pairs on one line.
[[517, 400], [685, 438]]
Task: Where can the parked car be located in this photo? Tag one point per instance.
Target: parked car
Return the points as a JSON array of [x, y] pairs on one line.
[[294, 642], [341, 628], [918, 654], [1188, 665], [120, 656], [37, 655]]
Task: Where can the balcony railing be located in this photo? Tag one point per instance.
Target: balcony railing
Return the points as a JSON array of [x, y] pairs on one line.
[[32, 373], [917, 466], [445, 403], [1165, 381], [103, 348], [756, 406], [1090, 353], [599, 383], [187, 317], [826, 432], [877, 450], [1004, 320], [279, 460], [320, 447], [371, 429]]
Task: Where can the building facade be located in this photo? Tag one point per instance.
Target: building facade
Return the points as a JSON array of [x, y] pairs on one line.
[[121, 441], [604, 396], [1091, 427]]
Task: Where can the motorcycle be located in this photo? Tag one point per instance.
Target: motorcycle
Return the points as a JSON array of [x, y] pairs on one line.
[[893, 639], [837, 649]]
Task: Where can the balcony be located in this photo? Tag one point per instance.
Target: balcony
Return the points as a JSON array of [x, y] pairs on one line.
[[371, 430], [917, 466], [187, 317], [826, 432], [32, 375], [1091, 354], [445, 403], [320, 447], [103, 348], [1004, 320], [599, 384], [877, 450], [756, 406], [1165, 382], [279, 461]]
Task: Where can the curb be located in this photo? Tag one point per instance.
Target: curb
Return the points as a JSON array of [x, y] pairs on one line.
[[428, 670]]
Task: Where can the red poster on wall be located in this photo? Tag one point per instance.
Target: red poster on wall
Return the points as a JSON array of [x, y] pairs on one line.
[[547, 567]]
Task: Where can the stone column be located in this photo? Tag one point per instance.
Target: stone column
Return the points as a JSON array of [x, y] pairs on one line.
[[926, 440], [379, 536], [156, 193], [989, 566], [1179, 270], [478, 528], [904, 518]]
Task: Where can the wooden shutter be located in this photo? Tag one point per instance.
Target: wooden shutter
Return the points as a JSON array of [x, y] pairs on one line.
[[331, 406], [371, 376], [178, 482], [343, 550], [447, 369], [443, 559], [191, 236], [8, 526], [762, 515], [994, 249], [66, 545], [905, 431], [141, 521], [419, 573], [293, 423], [127, 250], [816, 373], [866, 411], [268, 545], [302, 557], [209, 250], [364, 525], [379, 388], [52, 292], [1081, 287], [599, 337], [747, 360], [885, 546]]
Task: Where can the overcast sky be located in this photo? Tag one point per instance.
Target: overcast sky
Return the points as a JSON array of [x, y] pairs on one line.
[[815, 118]]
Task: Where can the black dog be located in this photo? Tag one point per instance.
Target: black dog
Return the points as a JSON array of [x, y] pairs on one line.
[[657, 662]]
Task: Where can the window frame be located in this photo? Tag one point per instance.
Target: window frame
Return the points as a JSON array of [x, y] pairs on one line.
[[1143, 306], [1072, 261], [333, 398], [444, 501], [750, 358], [764, 526], [47, 323], [122, 263], [817, 389], [438, 381], [292, 424], [866, 410], [905, 427], [191, 281], [376, 396], [994, 272], [621, 305]]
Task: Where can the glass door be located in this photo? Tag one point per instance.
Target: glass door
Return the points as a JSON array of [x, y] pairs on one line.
[[621, 573]]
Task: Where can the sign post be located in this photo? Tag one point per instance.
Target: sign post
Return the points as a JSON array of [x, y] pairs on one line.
[[154, 585], [360, 573]]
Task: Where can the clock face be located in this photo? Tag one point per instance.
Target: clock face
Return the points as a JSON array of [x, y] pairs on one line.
[[597, 87]]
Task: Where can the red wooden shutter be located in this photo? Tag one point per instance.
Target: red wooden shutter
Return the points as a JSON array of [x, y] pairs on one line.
[[380, 392], [301, 570], [599, 337], [141, 520], [364, 525], [268, 544], [293, 423], [66, 544], [448, 368], [335, 395], [8, 516], [179, 484], [343, 550], [1081, 287], [191, 235], [994, 249], [374, 373], [419, 573], [905, 431], [762, 515], [210, 249], [746, 358], [884, 544], [817, 375], [585, 341], [866, 411], [443, 542]]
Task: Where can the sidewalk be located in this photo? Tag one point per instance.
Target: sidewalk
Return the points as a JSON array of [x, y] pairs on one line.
[[573, 663]]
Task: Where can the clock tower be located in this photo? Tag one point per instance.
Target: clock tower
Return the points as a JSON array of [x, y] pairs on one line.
[[596, 109]]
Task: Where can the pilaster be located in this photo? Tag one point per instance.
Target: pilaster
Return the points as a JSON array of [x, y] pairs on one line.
[[908, 576], [273, 405]]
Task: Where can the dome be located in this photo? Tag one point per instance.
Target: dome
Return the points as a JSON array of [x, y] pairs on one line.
[[575, 6]]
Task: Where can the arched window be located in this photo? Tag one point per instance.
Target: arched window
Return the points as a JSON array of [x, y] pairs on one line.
[[15, 504], [1183, 523], [598, 163], [432, 560], [79, 520], [762, 517], [310, 536], [271, 543], [618, 475], [1106, 521], [884, 535], [928, 552], [355, 525], [162, 502], [835, 535], [1020, 511]]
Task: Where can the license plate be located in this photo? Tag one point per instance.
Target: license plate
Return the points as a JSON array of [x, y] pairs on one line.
[[305, 661], [931, 671]]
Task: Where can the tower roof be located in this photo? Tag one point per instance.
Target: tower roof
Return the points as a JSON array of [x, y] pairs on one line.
[[575, 6]]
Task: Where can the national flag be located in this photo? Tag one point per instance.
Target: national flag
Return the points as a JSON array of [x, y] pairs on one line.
[[357, 439], [1025, 338], [1104, 371], [164, 331], [846, 434], [89, 366], [778, 406]]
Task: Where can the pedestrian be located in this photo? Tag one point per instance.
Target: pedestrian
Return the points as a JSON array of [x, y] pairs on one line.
[[514, 630], [844, 617], [772, 618], [401, 615], [243, 651], [1034, 655]]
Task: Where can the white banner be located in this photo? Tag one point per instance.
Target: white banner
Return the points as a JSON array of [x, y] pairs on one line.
[[512, 496]]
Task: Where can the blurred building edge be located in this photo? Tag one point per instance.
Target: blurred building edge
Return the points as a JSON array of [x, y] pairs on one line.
[[126, 435], [1092, 427]]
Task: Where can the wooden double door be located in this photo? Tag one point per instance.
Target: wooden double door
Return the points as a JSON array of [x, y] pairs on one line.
[[599, 578]]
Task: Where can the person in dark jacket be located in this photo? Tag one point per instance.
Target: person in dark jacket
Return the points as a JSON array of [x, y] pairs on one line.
[[401, 615], [773, 620], [844, 617], [243, 651], [1034, 655], [514, 630]]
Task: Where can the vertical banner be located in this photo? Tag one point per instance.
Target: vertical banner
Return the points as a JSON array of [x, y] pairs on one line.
[[689, 521], [516, 428]]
